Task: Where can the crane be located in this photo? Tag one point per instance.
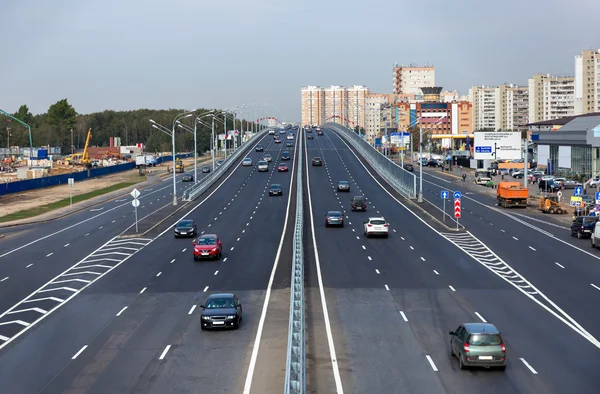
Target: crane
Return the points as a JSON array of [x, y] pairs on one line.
[[82, 158]]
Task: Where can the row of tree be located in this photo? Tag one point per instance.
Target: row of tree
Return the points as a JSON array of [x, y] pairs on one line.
[[63, 127]]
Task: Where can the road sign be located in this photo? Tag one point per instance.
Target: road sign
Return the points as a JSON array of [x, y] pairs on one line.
[[135, 203], [457, 209], [597, 197], [457, 195], [483, 149], [576, 201], [71, 183], [135, 193], [578, 191], [444, 194]]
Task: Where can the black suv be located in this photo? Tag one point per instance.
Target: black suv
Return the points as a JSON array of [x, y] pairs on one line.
[[549, 186], [221, 311], [317, 161], [260, 148], [583, 226], [358, 203], [285, 155]]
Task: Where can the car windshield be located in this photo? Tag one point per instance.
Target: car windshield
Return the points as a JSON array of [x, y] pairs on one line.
[[485, 340], [267, 155], [359, 199], [185, 223], [275, 186], [377, 221], [334, 213], [282, 165], [262, 163], [215, 303], [317, 158], [207, 241], [247, 159], [343, 182]]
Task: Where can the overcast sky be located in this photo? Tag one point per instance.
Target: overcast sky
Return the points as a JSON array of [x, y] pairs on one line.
[[129, 54]]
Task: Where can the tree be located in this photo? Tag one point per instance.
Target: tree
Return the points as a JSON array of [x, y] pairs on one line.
[[61, 116]]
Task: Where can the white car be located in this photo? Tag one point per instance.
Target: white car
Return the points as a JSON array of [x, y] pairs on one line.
[[376, 226], [271, 132], [247, 162], [263, 166], [290, 137]]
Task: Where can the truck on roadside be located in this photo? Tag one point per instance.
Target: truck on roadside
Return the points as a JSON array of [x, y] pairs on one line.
[[512, 194], [482, 177], [145, 160]]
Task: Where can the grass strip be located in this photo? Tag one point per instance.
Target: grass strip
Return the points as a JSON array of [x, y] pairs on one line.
[[29, 213]]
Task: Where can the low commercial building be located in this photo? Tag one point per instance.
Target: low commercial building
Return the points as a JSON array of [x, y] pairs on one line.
[[568, 146]]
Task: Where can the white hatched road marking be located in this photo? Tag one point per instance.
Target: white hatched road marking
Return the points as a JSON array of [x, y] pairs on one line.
[[65, 286]]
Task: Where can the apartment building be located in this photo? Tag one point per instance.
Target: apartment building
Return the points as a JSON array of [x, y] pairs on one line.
[[486, 102], [313, 105], [374, 103], [587, 82], [551, 97], [409, 79], [356, 105], [515, 107], [504, 107]]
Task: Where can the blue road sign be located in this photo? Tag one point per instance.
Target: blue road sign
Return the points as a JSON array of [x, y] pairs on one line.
[[457, 194], [597, 195], [444, 194], [483, 149], [578, 191]]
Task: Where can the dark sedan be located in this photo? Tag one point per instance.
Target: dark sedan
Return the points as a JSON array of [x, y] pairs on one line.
[[343, 186], [358, 203], [289, 144], [317, 161], [221, 311], [409, 167], [310, 137], [260, 148], [185, 228], [285, 155], [334, 218], [275, 190], [319, 132], [205, 169], [187, 178]]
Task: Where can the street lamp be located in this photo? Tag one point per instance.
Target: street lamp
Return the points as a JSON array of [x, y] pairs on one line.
[[420, 197]]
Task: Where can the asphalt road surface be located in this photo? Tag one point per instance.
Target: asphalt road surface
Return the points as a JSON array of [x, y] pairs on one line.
[[378, 310]]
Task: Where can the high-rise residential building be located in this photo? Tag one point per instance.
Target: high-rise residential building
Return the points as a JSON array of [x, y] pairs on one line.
[[356, 104], [551, 97], [313, 105], [409, 79], [587, 82], [336, 104], [374, 103], [515, 104], [486, 102]]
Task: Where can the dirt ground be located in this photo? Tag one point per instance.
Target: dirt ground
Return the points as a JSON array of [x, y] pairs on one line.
[[11, 203]]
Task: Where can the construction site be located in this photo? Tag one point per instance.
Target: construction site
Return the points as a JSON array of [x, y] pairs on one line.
[[21, 163]]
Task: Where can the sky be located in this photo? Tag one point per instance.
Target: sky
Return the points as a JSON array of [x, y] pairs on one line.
[[130, 54]]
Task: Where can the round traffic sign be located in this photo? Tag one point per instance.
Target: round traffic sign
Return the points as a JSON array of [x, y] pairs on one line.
[[457, 194], [559, 193]]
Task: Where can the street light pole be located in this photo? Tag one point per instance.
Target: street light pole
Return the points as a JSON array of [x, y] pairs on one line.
[[212, 142], [420, 198]]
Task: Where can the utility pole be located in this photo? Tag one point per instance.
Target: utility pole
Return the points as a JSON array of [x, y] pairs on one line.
[[8, 138], [72, 146]]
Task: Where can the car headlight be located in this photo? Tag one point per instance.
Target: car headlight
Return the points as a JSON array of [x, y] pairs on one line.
[[205, 317], [176, 230], [231, 317], [215, 249]]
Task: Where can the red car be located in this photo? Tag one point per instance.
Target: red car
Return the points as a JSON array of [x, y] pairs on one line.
[[282, 167], [277, 141], [207, 246]]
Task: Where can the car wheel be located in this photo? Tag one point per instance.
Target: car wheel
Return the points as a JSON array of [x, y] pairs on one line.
[[237, 323], [461, 365], [326, 224], [579, 235], [195, 258], [342, 225], [502, 368], [592, 241]]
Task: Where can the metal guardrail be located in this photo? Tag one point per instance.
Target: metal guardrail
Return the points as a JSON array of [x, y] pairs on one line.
[[199, 188], [403, 181], [295, 371]]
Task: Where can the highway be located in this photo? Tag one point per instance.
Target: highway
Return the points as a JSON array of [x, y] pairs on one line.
[[138, 326], [392, 301], [378, 310]]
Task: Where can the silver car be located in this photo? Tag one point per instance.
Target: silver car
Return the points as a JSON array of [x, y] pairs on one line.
[[263, 166], [268, 158], [247, 162]]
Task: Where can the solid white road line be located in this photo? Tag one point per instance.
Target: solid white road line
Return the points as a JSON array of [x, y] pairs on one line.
[[363, 246], [502, 230], [261, 321], [4, 279], [29, 265], [66, 245], [216, 272], [192, 309], [431, 363], [515, 238], [435, 272], [533, 371], [411, 248], [49, 254], [594, 286], [452, 288], [532, 248], [376, 270], [164, 353], [172, 261], [159, 274], [205, 289], [387, 288], [79, 352], [122, 310], [369, 257], [225, 259], [561, 266], [480, 317], [143, 290], [423, 258], [403, 316], [184, 249]]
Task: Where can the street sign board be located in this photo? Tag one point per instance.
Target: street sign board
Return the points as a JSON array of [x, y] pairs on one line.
[[457, 195], [135, 193], [71, 181], [578, 191], [135, 203], [507, 145], [221, 137], [457, 209], [444, 194], [396, 138], [576, 201]]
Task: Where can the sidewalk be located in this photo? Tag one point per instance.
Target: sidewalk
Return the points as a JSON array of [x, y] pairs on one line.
[[154, 176]]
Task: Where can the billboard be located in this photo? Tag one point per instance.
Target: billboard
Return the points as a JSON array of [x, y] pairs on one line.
[[396, 138], [501, 145]]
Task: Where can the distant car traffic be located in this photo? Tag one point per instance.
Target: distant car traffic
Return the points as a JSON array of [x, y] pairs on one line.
[[275, 190], [358, 203], [376, 226], [189, 177], [285, 155], [478, 344], [334, 218], [207, 246], [221, 311], [277, 140], [263, 166], [409, 167], [259, 148], [310, 137], [267, 157], [317, 161], [271, 132], [205, 169], [282, 167], [343, 186], [220, 162], [289, 144], [309, 130], [185, 228], [247, 162], [290, 137], [319, 132]]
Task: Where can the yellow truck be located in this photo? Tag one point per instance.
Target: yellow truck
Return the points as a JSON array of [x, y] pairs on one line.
[[179, 166], [512, 194]]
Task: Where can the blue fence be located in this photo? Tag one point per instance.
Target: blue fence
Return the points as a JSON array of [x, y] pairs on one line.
[[55, 180]]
